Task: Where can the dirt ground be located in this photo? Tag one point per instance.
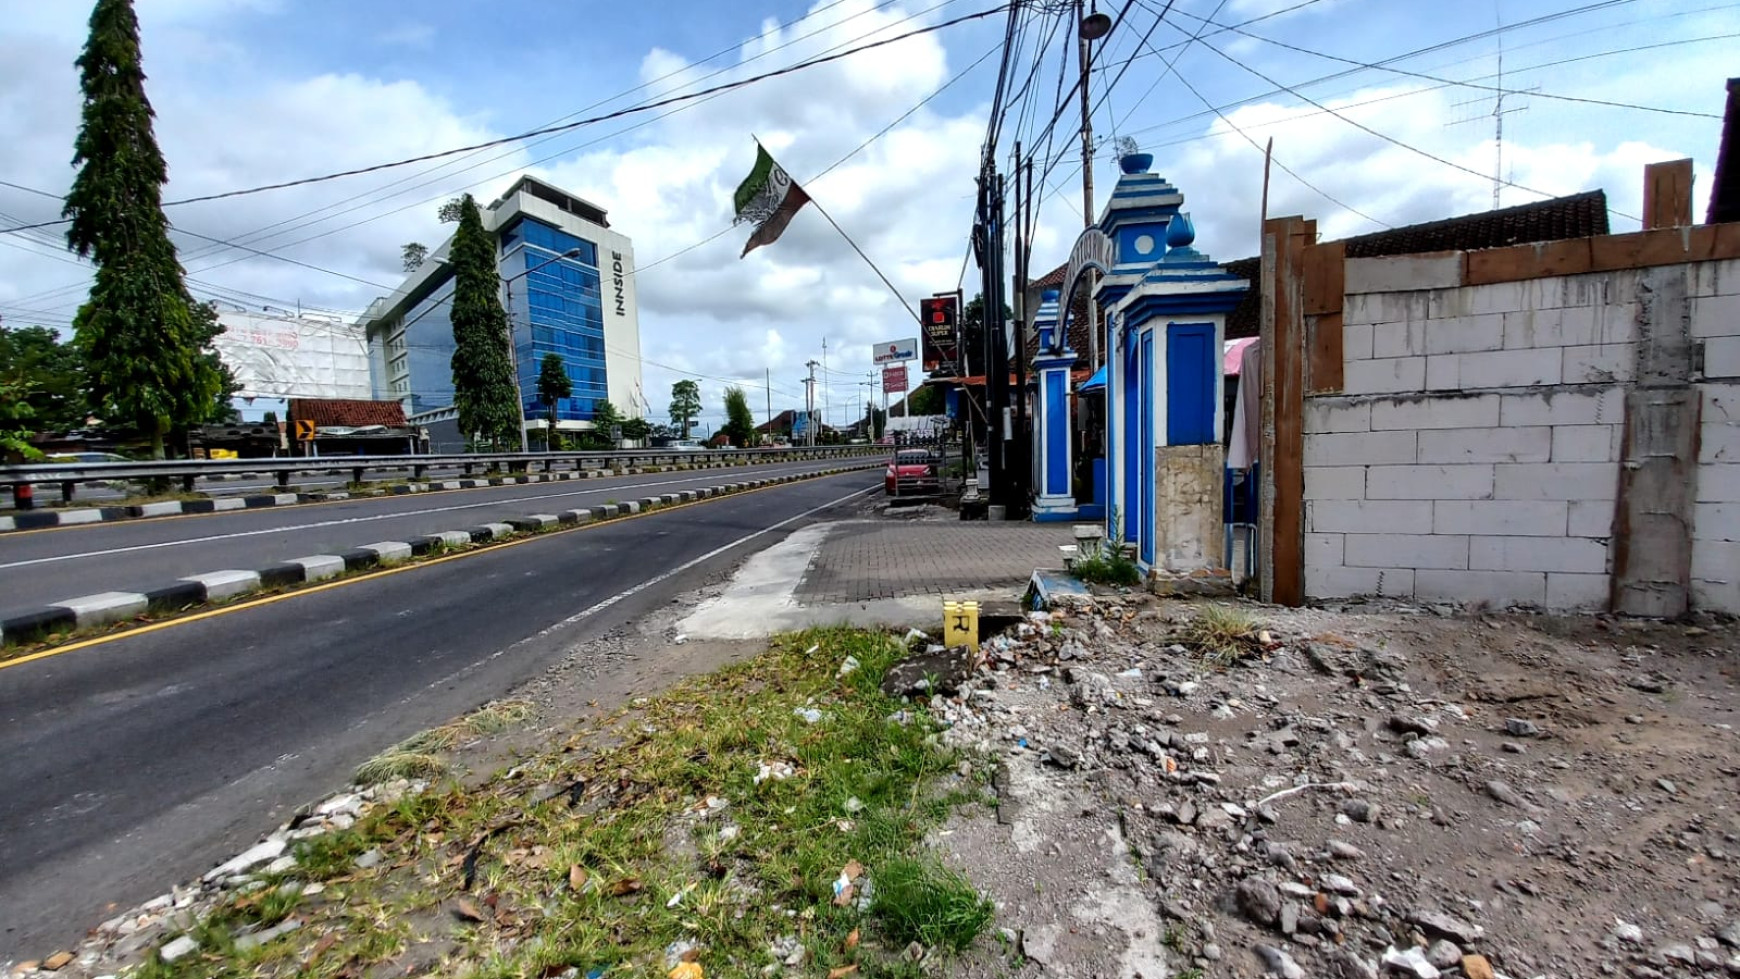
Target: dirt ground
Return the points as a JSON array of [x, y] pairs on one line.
[[1546, 796]]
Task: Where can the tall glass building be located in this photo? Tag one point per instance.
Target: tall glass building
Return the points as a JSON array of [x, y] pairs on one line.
[[580, 306]]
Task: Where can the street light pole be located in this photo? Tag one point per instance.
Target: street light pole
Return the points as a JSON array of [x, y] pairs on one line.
[[1091, 28], [513, 353]]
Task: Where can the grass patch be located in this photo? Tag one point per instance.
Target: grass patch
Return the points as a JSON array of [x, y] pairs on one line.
[[1221, 636], [1106, 565], [419, 756], [712, 814]]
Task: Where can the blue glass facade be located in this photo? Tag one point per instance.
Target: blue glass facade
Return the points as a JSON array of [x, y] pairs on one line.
[[555, 309], [427, 350]]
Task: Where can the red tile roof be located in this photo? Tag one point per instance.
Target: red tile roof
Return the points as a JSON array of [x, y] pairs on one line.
[[325, 412]]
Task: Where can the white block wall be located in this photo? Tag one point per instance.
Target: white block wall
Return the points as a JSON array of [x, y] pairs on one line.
[[1473, 455]]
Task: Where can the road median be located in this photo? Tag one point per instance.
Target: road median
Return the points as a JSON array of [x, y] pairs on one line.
[[72, 618]]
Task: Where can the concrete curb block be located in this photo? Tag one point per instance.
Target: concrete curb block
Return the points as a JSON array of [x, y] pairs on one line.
[[44, 519], [90, 611]]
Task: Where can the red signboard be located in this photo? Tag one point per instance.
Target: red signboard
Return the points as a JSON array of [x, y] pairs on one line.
[[894, 380]]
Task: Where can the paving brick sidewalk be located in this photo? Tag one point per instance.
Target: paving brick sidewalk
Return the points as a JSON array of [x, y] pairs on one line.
[[865, 560]]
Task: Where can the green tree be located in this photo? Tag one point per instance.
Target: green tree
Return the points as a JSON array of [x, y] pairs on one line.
[[875, 421], [553, 385], [605, 417], [146, 346], [739, 420], [16, 421], [483, 379], [927, 400], [685, 405], [412, 255], [636, 428], [48, 372]]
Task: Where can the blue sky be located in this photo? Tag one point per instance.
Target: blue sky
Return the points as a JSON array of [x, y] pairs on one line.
[[258, 91]]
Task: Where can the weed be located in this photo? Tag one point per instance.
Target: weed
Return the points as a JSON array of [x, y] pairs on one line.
[[1107, 566], [330, 855], [1221, 636], [394, 763], [918, 899], [497, 717]]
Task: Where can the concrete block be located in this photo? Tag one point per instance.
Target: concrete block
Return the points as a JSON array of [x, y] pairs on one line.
[[6, 524], [104, 608], [649, 502], [1590, 518], [1714, 278], [1715, 316], [1716, 575], [1444, 372], [1498, 588], [1324, 550], [1384, 376], [229, 503], [687, 496], [498, 530], [224, 584], [1587, 443], [1500, 518], [1599, 364], [1719, 483], [1509, 368], [1582, 555], [1465, 334], [319, 567], [1615, 322], [669, 499], [1716, 521], [1722, 357], [1406, 338], [1582, 592], [453, 538], [70, 517], [1335, 482], [1529, 444], [1392, 307], [545, 520], [1368, 516], [389, 551], [1564, 407], [1336, 415], [1404, 273], [1557, 481], [1478, 411], [1356, 342], [576, 516], [1338, 582], [1530, 329], [284, 499], [1499, 297], [1406, 551], [1359, 448], [164, 509], [604, 512], [1470, 482]]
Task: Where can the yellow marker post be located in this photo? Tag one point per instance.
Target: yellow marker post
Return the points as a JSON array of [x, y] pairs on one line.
[[961, 625]]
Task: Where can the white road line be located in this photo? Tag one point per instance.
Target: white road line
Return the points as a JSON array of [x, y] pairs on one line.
[[580, 491]]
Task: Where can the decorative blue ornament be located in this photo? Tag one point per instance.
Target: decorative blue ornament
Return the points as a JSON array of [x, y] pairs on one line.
[[1180, 232]]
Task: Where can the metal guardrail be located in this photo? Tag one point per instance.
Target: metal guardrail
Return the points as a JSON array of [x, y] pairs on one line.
[[282, 468]]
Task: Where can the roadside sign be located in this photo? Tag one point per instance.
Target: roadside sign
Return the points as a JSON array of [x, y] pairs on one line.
[[941, 316], [304, 430], [895, 351], [894, 380]]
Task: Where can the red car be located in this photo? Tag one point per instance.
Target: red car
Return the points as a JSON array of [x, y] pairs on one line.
[[912, 472]]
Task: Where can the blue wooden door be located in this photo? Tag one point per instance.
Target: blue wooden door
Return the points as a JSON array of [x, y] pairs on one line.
[[1190, 364], [1145, 448], [1130, 494]]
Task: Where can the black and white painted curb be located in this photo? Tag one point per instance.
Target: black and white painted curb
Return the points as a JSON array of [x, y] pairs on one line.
[[106, 608], [42, 519]]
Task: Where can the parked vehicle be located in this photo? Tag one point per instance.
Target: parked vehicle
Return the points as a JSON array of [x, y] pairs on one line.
[[687, 445], [912, 473]]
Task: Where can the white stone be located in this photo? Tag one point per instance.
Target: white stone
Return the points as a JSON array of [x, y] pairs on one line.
[[1497, 587], [1366, 516], [1557, 481], [498, 530], [1538, 328], [1323, 415], [248, 859], [1324, 550], [1342, 582], [224, 584], [317, 567], [1578, 591], [180, 948], [1469, 445], [1480, 411], [1360, 448], [1335, 482], [1509, 368], [1715, 316], [1580, 555], [1356, 342], [104, 607], [1464, 334], [283, 499], [389, 551], [1420, 550], [229, 503], [1468, 482], [1722, 356], [163, 509], [1384, 376], [1404, 273], [1587, 443], [1503, 518], [1406, 338], [1599, 364], [1392, 307]]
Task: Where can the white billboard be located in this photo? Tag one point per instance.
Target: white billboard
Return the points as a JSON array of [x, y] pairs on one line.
[[294, 357], [895, 351]]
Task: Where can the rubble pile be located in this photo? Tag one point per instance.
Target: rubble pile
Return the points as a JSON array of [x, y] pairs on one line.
[[1320, 805]]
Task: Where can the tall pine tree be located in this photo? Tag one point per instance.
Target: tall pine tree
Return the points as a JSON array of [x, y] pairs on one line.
[[147, 344], [483, 378]]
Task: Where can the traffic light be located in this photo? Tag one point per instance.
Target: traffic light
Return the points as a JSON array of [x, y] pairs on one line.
[[941, 315]]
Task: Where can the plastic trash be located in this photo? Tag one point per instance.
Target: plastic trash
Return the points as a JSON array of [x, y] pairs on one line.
[[809, 714], [848, 667]]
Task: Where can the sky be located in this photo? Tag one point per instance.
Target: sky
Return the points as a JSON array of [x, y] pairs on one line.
[[255, 92]]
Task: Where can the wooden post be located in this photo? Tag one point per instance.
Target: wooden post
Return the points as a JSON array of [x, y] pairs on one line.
[[1282, 452], [1667, 195]]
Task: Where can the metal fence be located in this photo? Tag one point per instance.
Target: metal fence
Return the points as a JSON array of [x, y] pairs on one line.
[[188, 471]]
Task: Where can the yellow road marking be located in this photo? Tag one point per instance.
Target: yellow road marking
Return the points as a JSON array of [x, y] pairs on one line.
[[413, 565]]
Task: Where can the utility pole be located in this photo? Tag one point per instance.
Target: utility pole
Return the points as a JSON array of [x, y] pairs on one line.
[[1088, 29], [827, 400], [767, 380], [990, 230], [810, 405]]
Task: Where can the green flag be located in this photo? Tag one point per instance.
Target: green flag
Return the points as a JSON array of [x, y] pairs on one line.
[[768, 198]]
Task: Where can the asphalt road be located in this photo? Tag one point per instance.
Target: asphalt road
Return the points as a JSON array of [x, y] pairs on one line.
[[133, 765], [43, 567]]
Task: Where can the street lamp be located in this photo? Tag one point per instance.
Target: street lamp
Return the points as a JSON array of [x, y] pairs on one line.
[[1093, 27], [513, 354]]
